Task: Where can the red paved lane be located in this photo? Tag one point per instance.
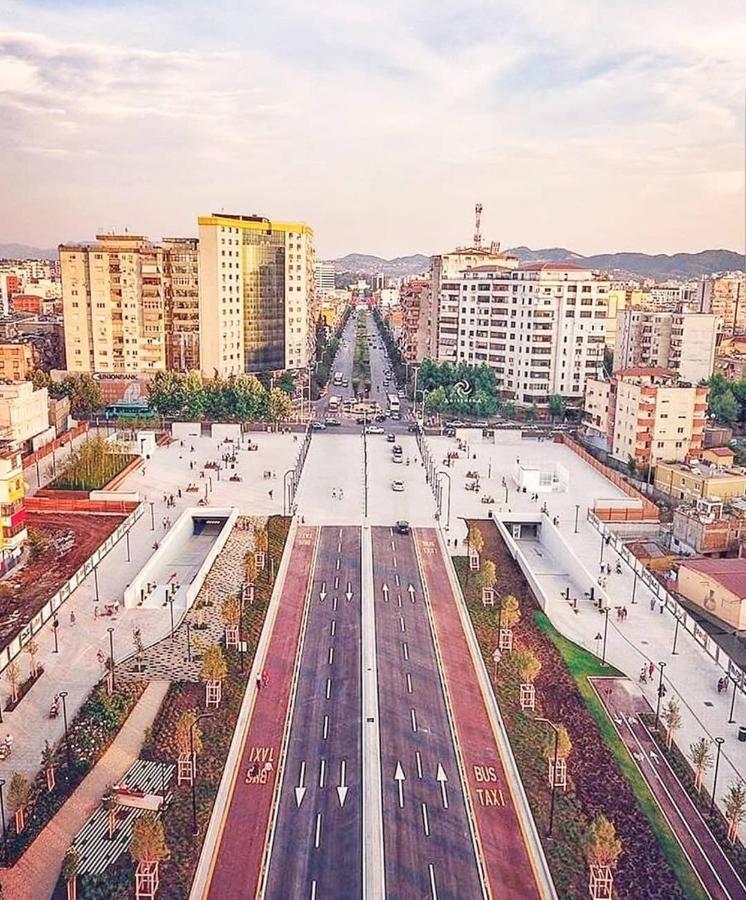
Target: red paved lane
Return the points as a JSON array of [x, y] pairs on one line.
[[507, 863], [236, 868]]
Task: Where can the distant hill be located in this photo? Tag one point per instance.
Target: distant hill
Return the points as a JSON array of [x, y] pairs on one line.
[[398, 267], [23, 251]]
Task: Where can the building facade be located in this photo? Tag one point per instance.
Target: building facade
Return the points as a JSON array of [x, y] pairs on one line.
[[416, 310], [323, 275], [716, 585], [23, 412], [16, 360], [725, 296], [12, 513], [700, 481], [181, 283], [257, 294], [540, 327], [683, 342]]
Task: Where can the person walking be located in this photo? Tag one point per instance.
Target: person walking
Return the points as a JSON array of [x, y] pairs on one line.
[[72, 617], [651, 669], [258, 682]]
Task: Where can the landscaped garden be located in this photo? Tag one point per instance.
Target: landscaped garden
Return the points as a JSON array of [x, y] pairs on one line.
[[361, 357], [92, 466], [601, 778]]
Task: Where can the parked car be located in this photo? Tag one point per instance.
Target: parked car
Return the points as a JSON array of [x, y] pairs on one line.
[[374, 429], [397, 485], [318, 426], [397, 458], [381, 417], [333, 423], [391, 438], [402, 527]]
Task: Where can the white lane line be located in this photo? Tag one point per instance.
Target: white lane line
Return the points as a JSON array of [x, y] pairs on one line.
[[331, 655], [433, 886], [396, 578], [398, 600], [333, 627], [425, 821], [409, 683], [395, 562], [334, 604], [339, 547], [317, 839], [401, 623], [393, 548], [325, 733], [340, 534], [413, 717], [337, 563], [328, 688], [336, 582], [405, 650], [322, 773], [418, 760], [313, 890]]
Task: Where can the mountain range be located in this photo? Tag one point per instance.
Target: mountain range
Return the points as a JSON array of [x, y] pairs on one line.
[[659, 266], [24, 251]]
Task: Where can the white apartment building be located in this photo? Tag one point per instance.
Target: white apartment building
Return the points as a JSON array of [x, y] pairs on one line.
[[725, 296], [323, 274], [541, 327], [682, 342], [23, 412], [257, 294]]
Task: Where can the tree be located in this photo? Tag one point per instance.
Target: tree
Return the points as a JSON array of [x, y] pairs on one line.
[[261, 541], [725, 408], [110, 806], [602, 846], [40, 379], [487, 576], [32, 648], [18, 796], [70, 867], [672, 718], [476, 540], [148, 845], [701, 757], [528, 665], [214, 669], [564, 744], [631, 464], [138, 644], [12, 675], [511, 612], [279, 406], [231, 610], [185, 742], [557, 406], [250, 568], [735, 808], [82, 389]]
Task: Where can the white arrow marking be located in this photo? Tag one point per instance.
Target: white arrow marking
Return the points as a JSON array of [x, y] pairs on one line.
[[411, 592], [317, 839], [385, 590], [322, 592], [322, 773], [300, 791], [326, 727], [425, 821], [349, 592], [418, 760], [442, 778], [399, 778], [342, 789]]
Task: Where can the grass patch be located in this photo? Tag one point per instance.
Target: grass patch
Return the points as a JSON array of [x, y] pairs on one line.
[[582, 665]]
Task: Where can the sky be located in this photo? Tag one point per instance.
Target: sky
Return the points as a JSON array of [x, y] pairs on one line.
[[578, 123]]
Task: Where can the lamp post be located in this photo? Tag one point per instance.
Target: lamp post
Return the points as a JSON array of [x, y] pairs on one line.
[[634, 584], [195, 827], [171, 605], [110, 629], [719, 741], [55, 626], [554, 769], [731, 720], [448, 516], [152, 515], [661, 666], [63, 695], [603, 544], [2, 816], [287, 501], [95, 580], [127, 536], [606, 628], [577, 512], [674, 651]]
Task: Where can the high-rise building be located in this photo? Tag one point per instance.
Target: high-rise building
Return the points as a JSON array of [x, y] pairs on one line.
[[682, 342], [323, 274], [257, 294], [130, 305], [539, 326], [415, 307], [12, 513], [725, 296]]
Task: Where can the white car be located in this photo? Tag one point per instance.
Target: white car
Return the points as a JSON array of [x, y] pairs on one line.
[[374, 429], [397, 458], [397, 485]]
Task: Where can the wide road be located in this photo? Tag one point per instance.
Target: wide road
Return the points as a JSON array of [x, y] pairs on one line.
[[316, 850], [428, 846]]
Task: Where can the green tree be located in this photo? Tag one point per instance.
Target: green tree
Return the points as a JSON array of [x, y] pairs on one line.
[[82, 389], [672, 719], [564, 744], [166, 393], [194, 401], [725, 408], [557, 406], [701, 757], [527, 664], [148, 845], [631, 464], [40, 379], [511, 612], [487, 576], [735, 808], [602, 846], [279, 406], [249, 397]]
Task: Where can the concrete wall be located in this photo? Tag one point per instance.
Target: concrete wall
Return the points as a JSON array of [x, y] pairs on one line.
[[221, 432], [180, 430]]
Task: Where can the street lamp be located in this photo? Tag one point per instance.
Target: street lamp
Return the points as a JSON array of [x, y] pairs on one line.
[[719, 741], [577, 511], [731, 720], [448, 519], [661, 666], [287, 500], [127, 536], [110, 629], [95, 580], [674, 651], [606, 628], [63, 695], [152, 515], [554, 769], [2, 816], [171, 605], [55, 626], [189, 641], [195, 827]]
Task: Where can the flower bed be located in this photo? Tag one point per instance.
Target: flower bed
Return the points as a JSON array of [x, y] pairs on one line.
[[94, 727], [599, 782]]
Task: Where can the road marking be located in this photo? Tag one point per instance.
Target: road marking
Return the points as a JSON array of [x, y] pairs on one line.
[[328, 688], [337, 563], [339, 547], [411, 592], [317, 839], [393, 548], [334, 604], [385, 590], [399, 778], [425, 821], [405, 649], [322, 592], [409, 683], [325, 733], [348, 593], [442, 778], [433, 886], [313, 890], [401, 623], [322, 773], [398, 600], [342, 788], [331, 655], [340, 534], [396, 578], [336, 582], [418, 760], [333, 627], [395, 566], [300, 791], [413, 717]]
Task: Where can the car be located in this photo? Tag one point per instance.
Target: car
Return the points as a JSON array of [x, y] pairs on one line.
[[333, 423], [397, 449], [374, 429], [391, 438], [361, 420], [345, 382], [318, 426], [402, 527], [381, 417], [413, 428], [401, 394], [397, 458], [397, 485]]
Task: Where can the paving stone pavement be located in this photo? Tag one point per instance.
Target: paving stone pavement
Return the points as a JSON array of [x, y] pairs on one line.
[[169, 659]]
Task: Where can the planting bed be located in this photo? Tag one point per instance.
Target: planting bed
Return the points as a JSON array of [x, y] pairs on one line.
[[599, 783]]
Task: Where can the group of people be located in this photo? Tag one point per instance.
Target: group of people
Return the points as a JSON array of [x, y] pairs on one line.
[[338, 493]]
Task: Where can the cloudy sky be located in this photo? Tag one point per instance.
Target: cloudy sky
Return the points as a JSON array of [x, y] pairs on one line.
[[577, 123]]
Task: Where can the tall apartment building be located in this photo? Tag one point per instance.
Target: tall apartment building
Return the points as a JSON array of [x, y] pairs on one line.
[[130, 305], [540, 327], [323, 276], [725, 296], [445, 274], [12, 513], [416, 309], [682, 342], [619, 298], [646, 414], [257, 294]]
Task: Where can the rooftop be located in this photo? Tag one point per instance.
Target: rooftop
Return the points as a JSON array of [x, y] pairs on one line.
[[552, 267], [730, 573]]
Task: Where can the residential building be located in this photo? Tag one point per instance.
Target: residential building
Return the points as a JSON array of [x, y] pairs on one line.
[[725, 296], [16, 361], [682, 342], [23, 412], [706, 528], [257, 294], [323, 274], [700, 480], [12, 513], [618, 299], [416, 309], [27, 303], [646, 415], [540, 327], [181, 313], [731, 357], [718, 586]]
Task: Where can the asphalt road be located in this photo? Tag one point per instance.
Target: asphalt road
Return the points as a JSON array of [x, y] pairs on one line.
[[428, 847], [317, 845]]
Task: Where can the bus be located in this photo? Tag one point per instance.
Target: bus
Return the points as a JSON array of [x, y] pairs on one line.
[[337, 378], [394, 406], [333, 404]]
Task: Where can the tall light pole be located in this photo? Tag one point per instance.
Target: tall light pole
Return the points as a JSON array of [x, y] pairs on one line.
[[577, 511], [719, 741], [661, 666], [63, 695], [110, 629], [152, 516], [606, 628], [554, 769], [731, 720], [2, 816], [448, 518], [195, 827]]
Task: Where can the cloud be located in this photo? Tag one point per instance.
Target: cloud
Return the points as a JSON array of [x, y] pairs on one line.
[[379, 123]]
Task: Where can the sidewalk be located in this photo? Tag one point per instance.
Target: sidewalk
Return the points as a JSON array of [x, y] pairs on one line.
[[36, 873]]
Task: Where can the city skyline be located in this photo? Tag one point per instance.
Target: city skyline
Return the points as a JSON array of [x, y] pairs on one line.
[[378, 127]]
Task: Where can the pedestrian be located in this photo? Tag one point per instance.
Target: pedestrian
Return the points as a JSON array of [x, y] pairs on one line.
[[72, 617], [720, 685], [652, 604], [258, 682], [270, 494], [660, 607], [95, 611], [624, 613], [179, 492], [100, 657], [334, 493], [341, 494], [651, 669]]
